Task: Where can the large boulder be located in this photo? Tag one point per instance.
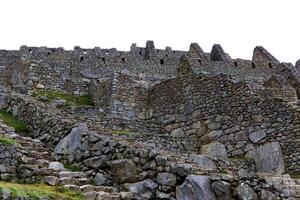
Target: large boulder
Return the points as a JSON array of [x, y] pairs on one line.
[[269, 159], [143, 190], [3, 89], [222, 190], [196, 188], [69, 144], [245, 192], [204, 162], [124, 171], [215, 150], [166, 179]]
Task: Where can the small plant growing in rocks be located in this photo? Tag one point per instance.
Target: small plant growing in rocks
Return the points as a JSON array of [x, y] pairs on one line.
[[7, 141], [18, 125]]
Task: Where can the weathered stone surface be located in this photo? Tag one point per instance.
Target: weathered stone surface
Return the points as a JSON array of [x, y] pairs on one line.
[[5, 194], [100, 179], [97, 162], [3, 101], [211, 136], [124, 171], [69, 144], [89, 74], [245, 192], [267, 195], [143, 190], [167, 179], [204, 162], [58, 103], [51, 180], [196, 188], [222, 190], [177, 133], [215, 150], [269, 159], [56, 166], [257, 136], [40, 86]]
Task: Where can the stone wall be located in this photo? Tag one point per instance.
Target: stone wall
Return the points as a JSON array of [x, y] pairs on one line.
[[216, 108], [42, 121]]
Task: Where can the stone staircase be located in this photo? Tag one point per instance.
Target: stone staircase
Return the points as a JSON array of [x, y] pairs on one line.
[[39, 164]]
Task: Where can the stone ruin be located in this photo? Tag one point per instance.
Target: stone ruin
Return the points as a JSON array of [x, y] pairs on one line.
[[164, 124]]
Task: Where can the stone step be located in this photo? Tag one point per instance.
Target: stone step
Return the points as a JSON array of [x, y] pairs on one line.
[[95, 192], [100, 196], [69, 174], [72, 181]]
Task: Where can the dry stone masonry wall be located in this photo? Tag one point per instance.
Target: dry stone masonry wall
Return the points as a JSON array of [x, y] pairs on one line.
[[164, 124]]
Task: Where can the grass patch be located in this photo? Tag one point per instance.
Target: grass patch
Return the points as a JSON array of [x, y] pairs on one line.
[[7, 141], [72, 168], [36, 191], [124, 132], [295, 176], [14, 122], [71, 99]]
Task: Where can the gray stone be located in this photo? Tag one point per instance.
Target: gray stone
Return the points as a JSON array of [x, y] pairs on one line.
[[124, 171], [89, 74], [269, 159], [267, 195], [56, 166], [96, 162], [213, 126], [143, 190], [3, 89], [210, 137], [5, 194], [245, 192], [196, 188], [222, 190], [67, 174], [204, 162], [3, 101], [257, 136], [58, 103], [50, 180], [181, 169], [177, 133], [69, 144], [100, 179], [215, 150], [167, 179], [2, 168]]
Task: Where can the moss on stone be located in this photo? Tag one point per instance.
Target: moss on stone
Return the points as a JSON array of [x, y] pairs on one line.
[[295, 176], [71, 99], [14, 122], [72, 168], [36, 191], [7, 141]]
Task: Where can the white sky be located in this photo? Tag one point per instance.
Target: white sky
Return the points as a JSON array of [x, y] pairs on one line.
[[238, 25]]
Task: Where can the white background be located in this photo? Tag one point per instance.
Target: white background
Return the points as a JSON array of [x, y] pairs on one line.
[[238, 25]]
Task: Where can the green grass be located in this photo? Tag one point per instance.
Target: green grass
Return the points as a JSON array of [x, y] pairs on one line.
[[12, 121], [124, 132], [71, 99], [72, 168], [295, 176], [7, 141], [36, 191]]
